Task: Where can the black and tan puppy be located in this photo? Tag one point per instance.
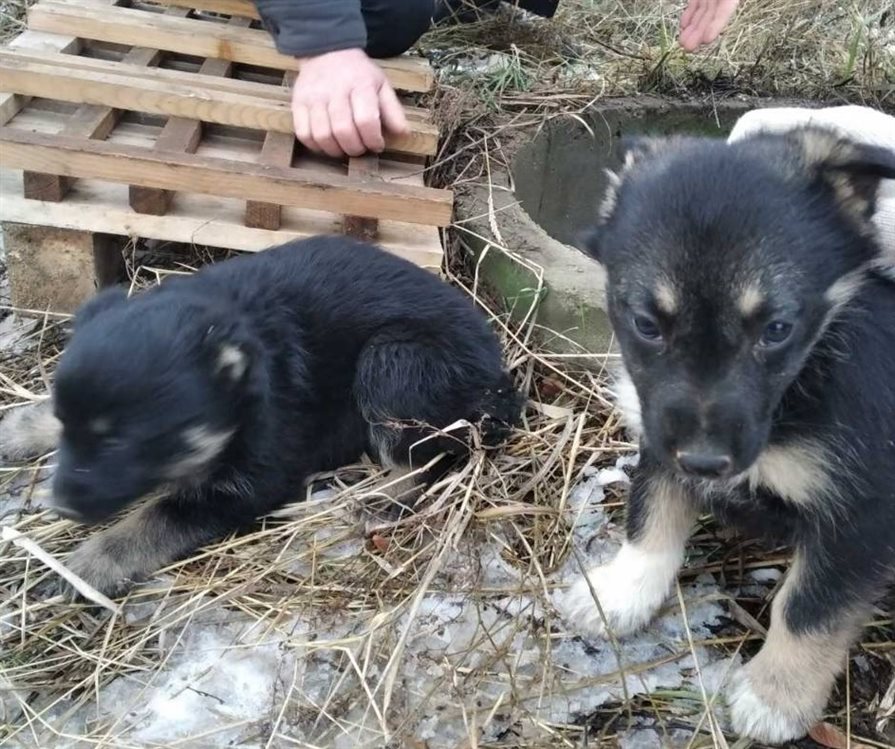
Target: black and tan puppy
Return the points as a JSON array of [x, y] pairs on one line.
[[757, 330], [227, 388]]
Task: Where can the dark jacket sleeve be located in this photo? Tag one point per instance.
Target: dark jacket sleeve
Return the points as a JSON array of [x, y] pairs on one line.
[[311, 27]]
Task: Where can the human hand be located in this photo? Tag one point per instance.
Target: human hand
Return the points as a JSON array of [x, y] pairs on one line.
[[342, 101], [704, 20]]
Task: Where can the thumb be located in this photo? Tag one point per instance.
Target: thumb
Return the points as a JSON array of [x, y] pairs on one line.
[[391, 110]]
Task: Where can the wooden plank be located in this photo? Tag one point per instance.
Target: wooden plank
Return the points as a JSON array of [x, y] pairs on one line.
[[179, 134], [243, 8], [175, 94], [11, 103], [193, 37], [89, 121], [103, 160], [363, 169], [278, 150], [198, 219], [267, 91]]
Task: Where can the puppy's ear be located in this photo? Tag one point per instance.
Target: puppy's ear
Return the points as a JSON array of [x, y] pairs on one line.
[[229, 352], [105, 300], [853, 171]]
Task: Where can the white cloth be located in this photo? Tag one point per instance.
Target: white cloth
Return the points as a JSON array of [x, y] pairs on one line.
[[861, 124]]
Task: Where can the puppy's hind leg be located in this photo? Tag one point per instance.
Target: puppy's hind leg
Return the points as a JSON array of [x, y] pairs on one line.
[[29, 431], [406, 392], [632, 587], [154, 535]]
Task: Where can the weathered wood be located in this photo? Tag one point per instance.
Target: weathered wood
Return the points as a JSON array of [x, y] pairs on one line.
[[89, 121], [175, 93], [116, 162], [70, 60], [32, 41], [200, 219], [243, 8], [138, 27], [278, 150], [364, 169], [179, 134]]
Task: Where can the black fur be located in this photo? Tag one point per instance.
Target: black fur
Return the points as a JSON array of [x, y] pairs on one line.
[[297, 360], [788, 216]]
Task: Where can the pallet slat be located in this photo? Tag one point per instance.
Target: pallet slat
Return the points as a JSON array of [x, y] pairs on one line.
[[11, 103], [362, 168], [68, 58], [141, 28], [172, 93], [243, 8], [178, 134], [90, 121], [73, 157], [278, 150]]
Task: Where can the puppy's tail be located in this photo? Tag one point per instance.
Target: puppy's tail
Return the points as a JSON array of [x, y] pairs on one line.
[[29, 432], [500, 411]]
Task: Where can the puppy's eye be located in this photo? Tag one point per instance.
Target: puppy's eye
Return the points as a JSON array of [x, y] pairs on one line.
[[776, 333], [647, 328]]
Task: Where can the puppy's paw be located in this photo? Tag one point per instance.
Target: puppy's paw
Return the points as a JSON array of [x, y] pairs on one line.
[[631, 590], [761, 709], [96, 565], [28, 432]]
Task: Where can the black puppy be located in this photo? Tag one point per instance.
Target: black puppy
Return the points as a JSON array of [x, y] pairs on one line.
[[227, 388], [757, 331]]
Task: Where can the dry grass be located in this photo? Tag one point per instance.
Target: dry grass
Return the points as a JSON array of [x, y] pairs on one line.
[[341, 554], [335, 558]]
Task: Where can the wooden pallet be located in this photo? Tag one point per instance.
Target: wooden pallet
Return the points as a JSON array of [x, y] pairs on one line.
[[171, 120]]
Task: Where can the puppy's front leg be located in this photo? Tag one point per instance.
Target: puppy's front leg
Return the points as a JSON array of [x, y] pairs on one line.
[[29, 431], [783, 690], [634, 585], [153, 536]]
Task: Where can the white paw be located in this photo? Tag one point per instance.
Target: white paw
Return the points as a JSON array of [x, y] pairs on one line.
[[631, 589], [28, 431], [754, 713]]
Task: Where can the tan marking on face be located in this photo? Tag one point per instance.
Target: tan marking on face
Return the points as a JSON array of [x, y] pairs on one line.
[[797, 472], [750, 300], [100, 425], [203, 445], [784, 689], [233, 361], [666, 299]]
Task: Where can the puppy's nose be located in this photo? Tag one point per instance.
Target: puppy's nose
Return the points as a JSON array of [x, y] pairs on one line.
[[705, 465]]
